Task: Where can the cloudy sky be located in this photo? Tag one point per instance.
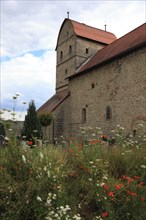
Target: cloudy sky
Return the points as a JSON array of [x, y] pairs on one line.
[[29, 30]]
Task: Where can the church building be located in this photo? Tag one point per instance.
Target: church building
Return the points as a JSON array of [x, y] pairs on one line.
[[100, 80]]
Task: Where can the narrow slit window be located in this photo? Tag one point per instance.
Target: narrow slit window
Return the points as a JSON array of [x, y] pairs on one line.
[[70, 49], [108, 113], [87, 50], [61, 55], [92, 85], [84, 115]]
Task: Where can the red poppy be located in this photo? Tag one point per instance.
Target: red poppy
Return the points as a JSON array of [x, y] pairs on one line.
[[105, 186], [119, 186], [140, 184], [142, 199], [104, 137], [104, 214], [111, 194], [86, 169], [131, 193], [129, 179], [136, 177]]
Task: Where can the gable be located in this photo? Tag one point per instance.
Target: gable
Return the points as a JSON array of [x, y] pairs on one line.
[[71, 27]]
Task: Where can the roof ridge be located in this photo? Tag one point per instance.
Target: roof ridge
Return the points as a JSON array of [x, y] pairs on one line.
[[90, 26]]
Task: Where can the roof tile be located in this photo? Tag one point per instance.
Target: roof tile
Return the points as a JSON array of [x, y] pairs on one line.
[[92, 33], [53, 102]]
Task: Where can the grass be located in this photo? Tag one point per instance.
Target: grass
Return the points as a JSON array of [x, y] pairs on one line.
[[80, 180]]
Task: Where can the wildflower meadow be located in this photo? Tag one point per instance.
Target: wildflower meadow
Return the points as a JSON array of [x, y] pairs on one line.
[[83, 178]]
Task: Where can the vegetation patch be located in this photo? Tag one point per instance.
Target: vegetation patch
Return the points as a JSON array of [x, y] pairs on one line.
[[84, 178]]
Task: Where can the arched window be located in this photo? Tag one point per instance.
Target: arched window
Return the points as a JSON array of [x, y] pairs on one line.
[[108, 113], [83, 115]]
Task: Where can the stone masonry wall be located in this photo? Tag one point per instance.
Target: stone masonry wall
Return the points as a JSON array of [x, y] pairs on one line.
[[60, 124], [120, 84], [84, 49]]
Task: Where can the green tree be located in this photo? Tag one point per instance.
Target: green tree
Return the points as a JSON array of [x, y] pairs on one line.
[[2, 129], [45, 120], [32, 126]]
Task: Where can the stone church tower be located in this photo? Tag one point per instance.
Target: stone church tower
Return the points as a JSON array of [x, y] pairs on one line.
[[76, 43]]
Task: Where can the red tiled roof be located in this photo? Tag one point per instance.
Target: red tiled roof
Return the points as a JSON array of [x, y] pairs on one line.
[[88, 32], [53, 102], [92, 33], [123, 45]]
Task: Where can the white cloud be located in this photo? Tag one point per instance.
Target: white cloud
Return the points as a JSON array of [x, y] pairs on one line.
[[29, 75], [120, 16], [25, 25], [19, 116]]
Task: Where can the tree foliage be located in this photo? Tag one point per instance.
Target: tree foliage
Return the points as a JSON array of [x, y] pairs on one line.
[[2, 129], [32, 126], [45, 120]]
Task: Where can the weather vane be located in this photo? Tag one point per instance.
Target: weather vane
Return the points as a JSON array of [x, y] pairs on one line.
[[68, 14]]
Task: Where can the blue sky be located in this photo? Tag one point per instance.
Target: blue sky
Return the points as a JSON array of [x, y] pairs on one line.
[[36, 53], [29, 31]]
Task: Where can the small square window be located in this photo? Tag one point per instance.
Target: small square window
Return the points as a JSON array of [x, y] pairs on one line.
[[92, 85]]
